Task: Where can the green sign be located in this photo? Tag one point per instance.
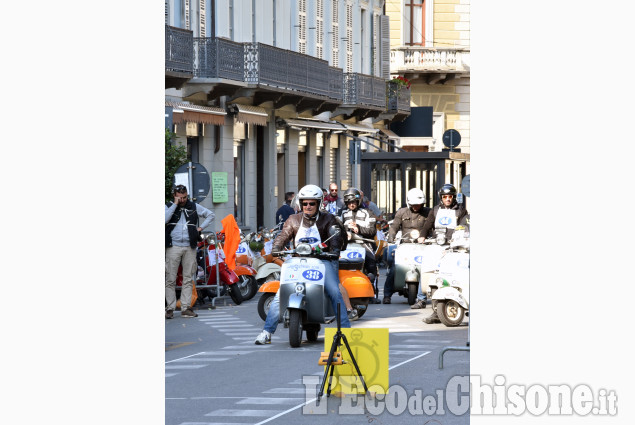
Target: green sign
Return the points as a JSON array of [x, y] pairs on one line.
[[219, 187]]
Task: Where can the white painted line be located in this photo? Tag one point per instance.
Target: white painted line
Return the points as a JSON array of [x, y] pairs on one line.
[[186, 366], [270, 400], [223, 353], [240, 412], [205, 359], [176, 360], [414, 346], [427, 341], [285, 391], [222, 325], [409, 360], [167, 375], [213, 423]]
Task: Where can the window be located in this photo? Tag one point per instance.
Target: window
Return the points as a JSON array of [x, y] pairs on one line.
[[414, 22], [336, 35], [302, 26], [349, 37], [320, 30]]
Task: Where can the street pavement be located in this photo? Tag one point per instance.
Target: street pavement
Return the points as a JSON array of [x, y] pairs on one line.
[[215, 374]]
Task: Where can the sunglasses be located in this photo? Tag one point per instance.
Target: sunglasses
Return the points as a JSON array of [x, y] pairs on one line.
[[447, 196], [351, 202], [309, 204]]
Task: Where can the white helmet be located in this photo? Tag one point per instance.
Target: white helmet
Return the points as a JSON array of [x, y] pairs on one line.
[[415, 196], [310, 191]]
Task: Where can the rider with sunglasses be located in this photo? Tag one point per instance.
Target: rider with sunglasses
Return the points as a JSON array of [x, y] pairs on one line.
[[313, 223]]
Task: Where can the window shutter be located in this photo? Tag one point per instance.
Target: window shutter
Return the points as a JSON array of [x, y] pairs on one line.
[[202, 17], [385, 47], [336, 34], [349, 37], [167, 13], [302, 24], [320, 29], [186, 14], [376, 67]]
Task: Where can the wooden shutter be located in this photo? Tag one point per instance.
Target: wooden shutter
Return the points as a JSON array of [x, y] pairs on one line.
[[320, 30], [336, 34], [302, 26], [349, 37], [385, 46]]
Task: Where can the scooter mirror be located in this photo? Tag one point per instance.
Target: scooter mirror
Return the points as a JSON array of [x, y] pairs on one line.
[[334, 231]]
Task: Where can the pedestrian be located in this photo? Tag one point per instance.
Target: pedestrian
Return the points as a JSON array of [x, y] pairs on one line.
[[286, 209], [443, 219], [181, 236], [332, 203], [406, 219], [311, 222]]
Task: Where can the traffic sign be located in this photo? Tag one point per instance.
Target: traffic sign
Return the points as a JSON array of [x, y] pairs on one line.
[[465, 186], [451, 138]]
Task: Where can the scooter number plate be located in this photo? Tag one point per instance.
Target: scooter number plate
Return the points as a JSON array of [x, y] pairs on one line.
[[302, 272], [351, 253]]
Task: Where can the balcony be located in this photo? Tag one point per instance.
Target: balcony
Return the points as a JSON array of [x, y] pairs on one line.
[[178, 56], [364, 96], [397, 101], [436, 65]]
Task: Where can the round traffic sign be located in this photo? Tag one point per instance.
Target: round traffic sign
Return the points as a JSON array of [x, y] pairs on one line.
[[451, 138], [465, 186]]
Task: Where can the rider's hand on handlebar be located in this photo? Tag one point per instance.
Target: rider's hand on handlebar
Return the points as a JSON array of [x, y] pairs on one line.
[[421, 239]]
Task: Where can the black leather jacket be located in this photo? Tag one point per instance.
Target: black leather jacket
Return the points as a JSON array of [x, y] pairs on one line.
[[408, 220], [323, 222]]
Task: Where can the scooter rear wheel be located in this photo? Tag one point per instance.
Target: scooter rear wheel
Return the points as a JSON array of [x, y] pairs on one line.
[[234, 293]]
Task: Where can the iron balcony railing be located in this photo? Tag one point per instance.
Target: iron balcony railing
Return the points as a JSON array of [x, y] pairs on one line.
[[218, 58], [285, 69], [336, 83], [361, 89], [178, 50], [397, 97]]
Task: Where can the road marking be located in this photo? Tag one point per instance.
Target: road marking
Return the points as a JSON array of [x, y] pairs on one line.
[[285, 391], [205, 359], [239, 412], [213, 423], [270, 400], [186, 366], [176, 360], [219, 325], [167, 375], [314, 399], [413, 346]]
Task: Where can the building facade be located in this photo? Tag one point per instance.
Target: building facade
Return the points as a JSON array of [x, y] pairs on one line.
[[430, 48], [271, 92]]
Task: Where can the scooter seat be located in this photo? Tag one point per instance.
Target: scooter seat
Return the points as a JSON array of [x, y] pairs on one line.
[[351, 263]]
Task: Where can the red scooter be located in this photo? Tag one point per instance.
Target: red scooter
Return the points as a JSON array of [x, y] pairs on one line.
[[206, 282]]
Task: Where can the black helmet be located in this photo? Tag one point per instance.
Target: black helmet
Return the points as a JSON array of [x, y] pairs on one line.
[[447, 189], [352, 194]]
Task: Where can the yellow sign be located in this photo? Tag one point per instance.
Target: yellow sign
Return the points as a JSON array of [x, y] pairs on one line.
[[219, 187], [370, 349]]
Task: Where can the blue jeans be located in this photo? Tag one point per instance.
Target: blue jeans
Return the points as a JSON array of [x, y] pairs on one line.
[[332, 288]]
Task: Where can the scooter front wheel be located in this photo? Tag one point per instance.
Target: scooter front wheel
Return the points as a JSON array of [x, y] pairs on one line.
[[295, 328], [412, 293], [450, 313], [264, 303], [248, 286]]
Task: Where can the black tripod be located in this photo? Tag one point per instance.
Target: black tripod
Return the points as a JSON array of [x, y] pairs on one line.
[[330, 366]]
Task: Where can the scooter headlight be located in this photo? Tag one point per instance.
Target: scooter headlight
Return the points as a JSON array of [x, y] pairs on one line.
[[299, 288], [303, 249], [210, 238], [414, 234], [439, 281], [441, 239]]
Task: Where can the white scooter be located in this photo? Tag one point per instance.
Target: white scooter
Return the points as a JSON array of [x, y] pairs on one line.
[[449, 288]]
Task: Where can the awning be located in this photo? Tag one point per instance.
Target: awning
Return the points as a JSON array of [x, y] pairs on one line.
[[248, 114], [184, 112], [362, 128], [319, 125], [391, 134]]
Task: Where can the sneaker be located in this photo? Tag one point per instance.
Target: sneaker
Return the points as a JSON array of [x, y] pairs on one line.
[[419, 304], [169, 314], [263, 338], [352, 315], [386, 300], [433, 318], [188, 312]]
